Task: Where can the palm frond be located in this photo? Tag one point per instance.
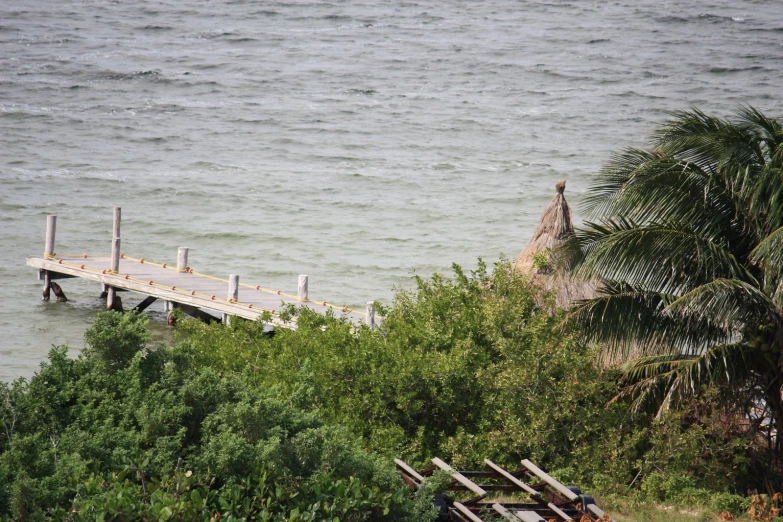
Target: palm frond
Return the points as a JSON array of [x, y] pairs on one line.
[[661, 381], [629, 321], [710, 142], [689, 238], [768, 255], [623, 167], [667, 258], [648, 187], [766, 199], [768, 130], [769, 252], [725, 303]]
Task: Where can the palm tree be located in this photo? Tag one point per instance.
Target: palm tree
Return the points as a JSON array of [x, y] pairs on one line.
[[687, 240]]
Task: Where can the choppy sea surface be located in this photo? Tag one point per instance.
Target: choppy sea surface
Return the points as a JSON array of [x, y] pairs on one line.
[[356, 142]]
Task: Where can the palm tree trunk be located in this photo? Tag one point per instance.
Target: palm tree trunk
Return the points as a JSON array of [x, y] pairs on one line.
[[776, 412]]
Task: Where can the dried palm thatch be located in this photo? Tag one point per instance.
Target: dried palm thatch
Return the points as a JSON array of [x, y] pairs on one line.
[[536, 258]]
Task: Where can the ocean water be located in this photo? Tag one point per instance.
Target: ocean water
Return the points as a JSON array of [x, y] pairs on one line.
[[356, 142]]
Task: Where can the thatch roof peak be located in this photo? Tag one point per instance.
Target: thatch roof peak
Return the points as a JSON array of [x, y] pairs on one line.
[[555, 226]]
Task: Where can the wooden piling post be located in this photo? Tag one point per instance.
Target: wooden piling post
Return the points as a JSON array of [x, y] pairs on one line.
[[182, 259], [369, 315], [301, 290], [233, 293], [111, 295], [51, 227]]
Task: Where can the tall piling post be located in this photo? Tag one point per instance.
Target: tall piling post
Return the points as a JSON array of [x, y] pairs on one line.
[[111, 294], [301, 290], [233, 294], [369, 315], [51, 228], [182, 259]]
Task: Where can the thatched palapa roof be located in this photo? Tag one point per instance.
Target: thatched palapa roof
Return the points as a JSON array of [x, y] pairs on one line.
[[555, 226]]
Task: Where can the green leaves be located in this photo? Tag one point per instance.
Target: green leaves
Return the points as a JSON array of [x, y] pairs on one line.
[[115, 338]]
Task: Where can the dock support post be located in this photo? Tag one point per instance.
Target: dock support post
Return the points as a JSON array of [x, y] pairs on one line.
[[369, 315], [111, 295], [51, 227], [301, 290], [182, 259], [233, 293], [182, 266]]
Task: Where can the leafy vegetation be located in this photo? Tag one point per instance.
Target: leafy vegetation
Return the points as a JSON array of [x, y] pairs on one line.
[[154, 436], [461, 368], [302, 425]]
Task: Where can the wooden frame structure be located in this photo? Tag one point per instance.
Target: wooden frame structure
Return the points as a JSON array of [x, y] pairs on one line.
[[549, 500]]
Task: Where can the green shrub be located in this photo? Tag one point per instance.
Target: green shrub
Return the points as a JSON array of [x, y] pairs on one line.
[[734, 504], [122, 438], [461, 368], [260, 496], [114, 338]]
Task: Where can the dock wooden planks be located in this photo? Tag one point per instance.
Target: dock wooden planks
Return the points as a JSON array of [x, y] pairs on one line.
[[179, 285], [182, 287]]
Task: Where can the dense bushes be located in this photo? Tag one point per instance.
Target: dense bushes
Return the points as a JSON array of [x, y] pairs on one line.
[[123, 440], [302, 424], [465, 369], [478, 367]]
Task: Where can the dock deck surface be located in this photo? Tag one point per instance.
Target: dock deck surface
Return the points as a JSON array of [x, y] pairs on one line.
[[186, 287]]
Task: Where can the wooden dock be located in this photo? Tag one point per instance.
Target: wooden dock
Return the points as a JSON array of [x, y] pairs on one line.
[[179, 285]]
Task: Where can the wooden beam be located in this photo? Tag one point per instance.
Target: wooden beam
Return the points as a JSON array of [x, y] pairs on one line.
[[409, 470], [51, 228], [145, 304], [511, 478], [53, 275], [47, 285], [560, 488], [456, 516], [559, 512], [462, 479], [198, 313], [529, 516], [494, 487], [168, 307], [465, 511], [505, 513]]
